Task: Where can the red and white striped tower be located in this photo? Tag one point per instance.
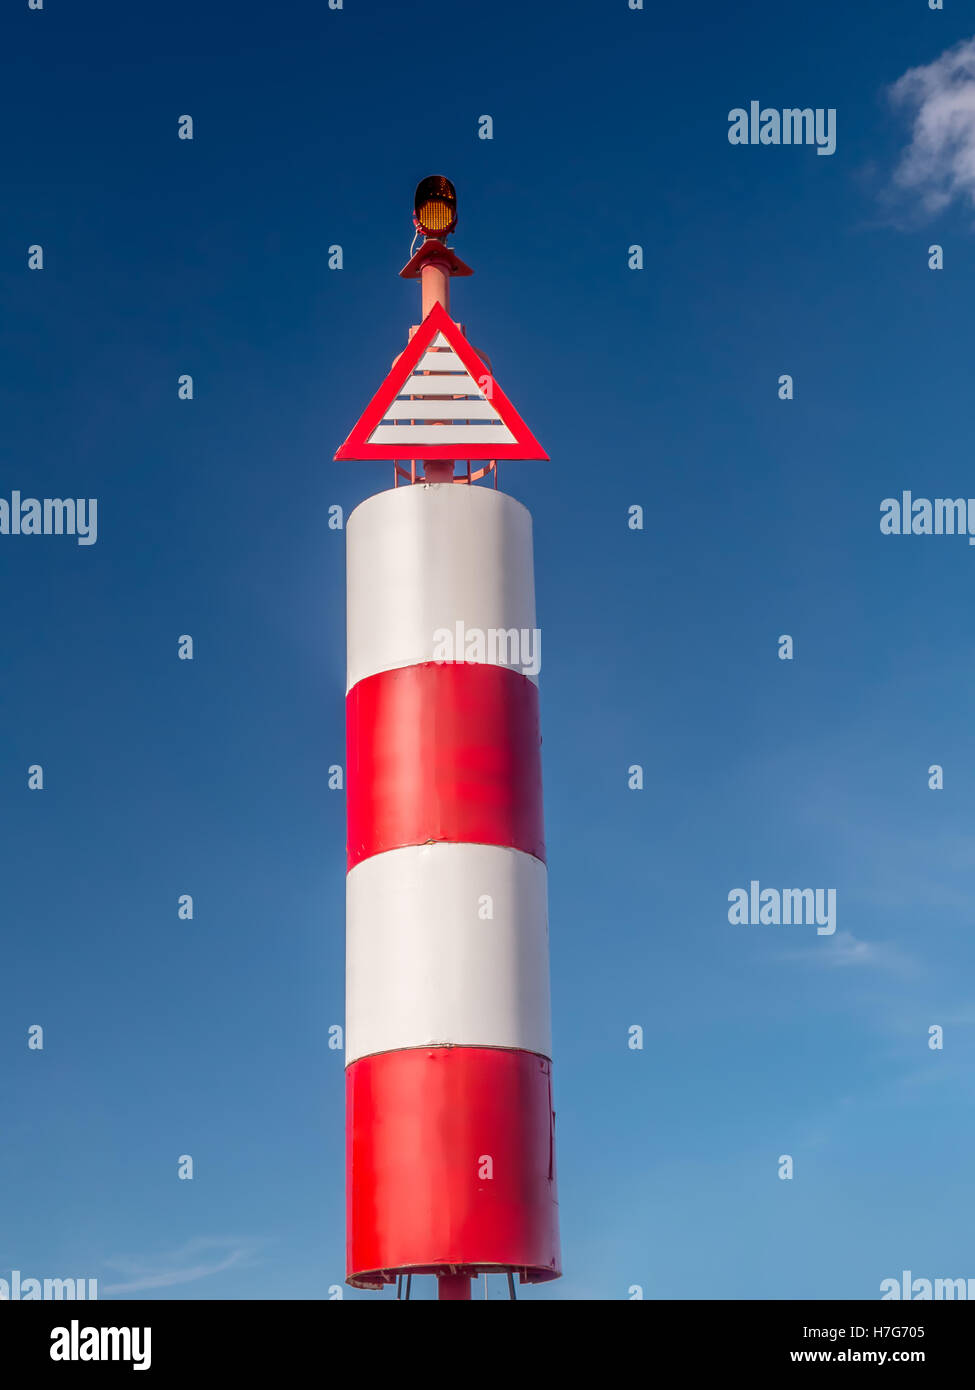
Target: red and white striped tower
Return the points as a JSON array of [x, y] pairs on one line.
[[450, 1127]]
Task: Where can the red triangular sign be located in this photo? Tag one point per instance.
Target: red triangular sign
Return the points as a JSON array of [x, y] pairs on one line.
[[440, 401]]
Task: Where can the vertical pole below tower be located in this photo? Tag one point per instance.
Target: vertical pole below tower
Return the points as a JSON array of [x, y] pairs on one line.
[[456, 1286]]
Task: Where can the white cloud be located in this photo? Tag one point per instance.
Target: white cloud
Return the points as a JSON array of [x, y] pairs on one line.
[[847, 950], [939, 163], [182, 1266], [844, 949]]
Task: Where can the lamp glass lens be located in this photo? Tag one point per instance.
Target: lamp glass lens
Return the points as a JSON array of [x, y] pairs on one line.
[[435, 216]]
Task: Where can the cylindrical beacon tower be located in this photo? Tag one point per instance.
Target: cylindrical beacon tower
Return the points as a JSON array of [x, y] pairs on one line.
[[450, 1126]]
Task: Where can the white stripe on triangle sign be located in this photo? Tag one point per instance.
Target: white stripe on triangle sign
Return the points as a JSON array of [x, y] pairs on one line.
[[440, 401]]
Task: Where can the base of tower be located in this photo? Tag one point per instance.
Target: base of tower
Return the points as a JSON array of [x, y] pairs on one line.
[[451, 1165]]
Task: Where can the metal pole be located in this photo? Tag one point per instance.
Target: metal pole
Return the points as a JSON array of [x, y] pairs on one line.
[[434, 285], [435, 289], [456, 1286]]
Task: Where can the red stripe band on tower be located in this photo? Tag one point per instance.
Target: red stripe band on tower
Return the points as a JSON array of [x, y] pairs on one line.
[[443, 751], [483, 1194]]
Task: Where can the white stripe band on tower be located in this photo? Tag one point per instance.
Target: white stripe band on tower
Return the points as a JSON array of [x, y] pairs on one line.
[[427, 965], [426, 558]]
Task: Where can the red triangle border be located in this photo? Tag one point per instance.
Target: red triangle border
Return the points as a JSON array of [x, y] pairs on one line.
[[356, 446]]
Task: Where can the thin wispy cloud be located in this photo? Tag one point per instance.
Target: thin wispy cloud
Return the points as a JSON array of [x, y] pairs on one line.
[[963, 1018], [938, 166], [182, 1266], [843, 950]]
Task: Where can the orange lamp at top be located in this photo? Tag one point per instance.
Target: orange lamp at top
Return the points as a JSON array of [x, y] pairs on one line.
[[435, 206]]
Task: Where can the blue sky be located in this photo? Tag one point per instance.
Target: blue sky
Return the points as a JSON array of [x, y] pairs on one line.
[[655, 387]]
